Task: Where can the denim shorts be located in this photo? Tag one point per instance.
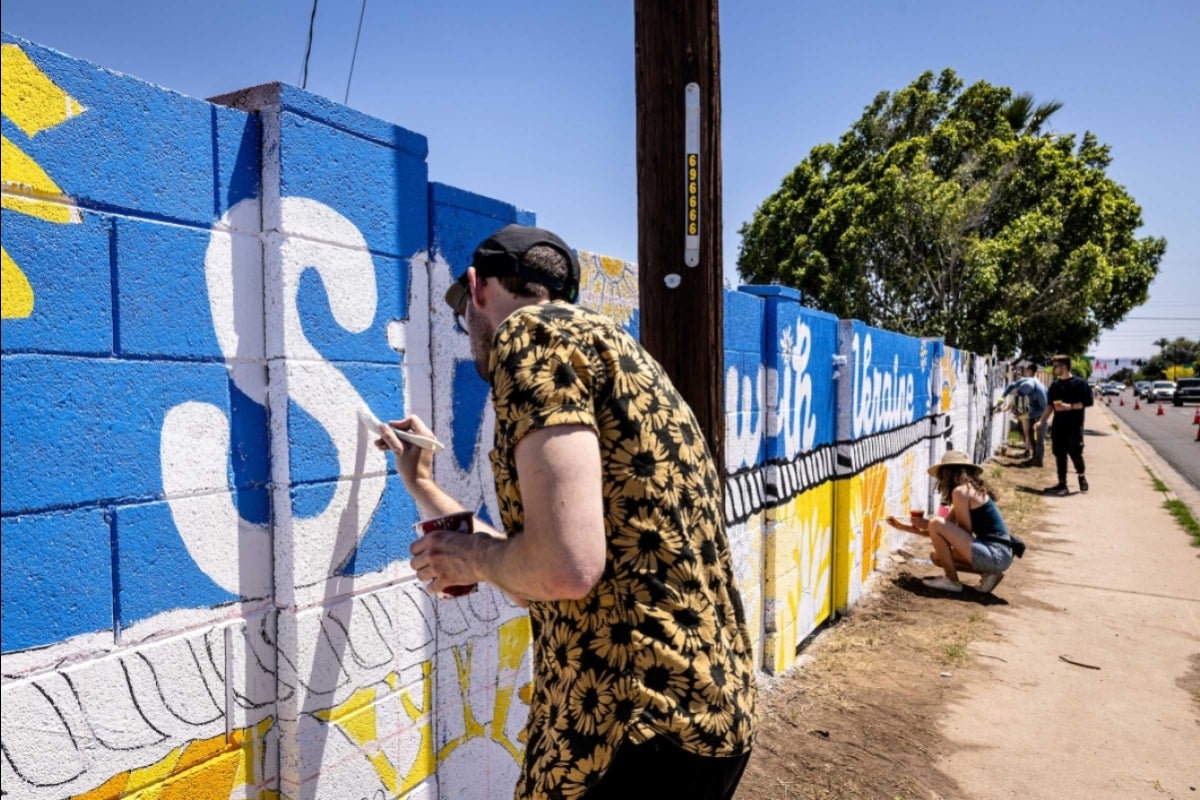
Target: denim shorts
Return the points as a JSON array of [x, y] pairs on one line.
[[988, 557]]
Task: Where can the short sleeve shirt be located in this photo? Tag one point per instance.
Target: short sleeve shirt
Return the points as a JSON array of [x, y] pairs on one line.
[[1034, 393], [1070, 390], [660, 646]]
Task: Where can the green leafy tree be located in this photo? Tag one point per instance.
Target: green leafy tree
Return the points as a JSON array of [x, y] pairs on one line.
[[946, 212], [1176, 358]]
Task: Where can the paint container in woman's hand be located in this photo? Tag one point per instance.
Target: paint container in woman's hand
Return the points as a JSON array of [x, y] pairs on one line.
[[916, 515], [461, 522]]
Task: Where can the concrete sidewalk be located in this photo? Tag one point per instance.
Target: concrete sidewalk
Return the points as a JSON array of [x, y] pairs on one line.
[[1113, 584]]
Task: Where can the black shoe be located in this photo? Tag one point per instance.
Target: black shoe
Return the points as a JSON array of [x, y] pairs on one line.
[[1083, 487], [1059, 489]]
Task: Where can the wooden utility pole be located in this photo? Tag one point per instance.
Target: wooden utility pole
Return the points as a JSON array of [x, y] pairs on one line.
[[678, 67]]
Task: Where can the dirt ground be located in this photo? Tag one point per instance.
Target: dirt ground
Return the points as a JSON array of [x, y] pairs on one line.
[[859, 717]]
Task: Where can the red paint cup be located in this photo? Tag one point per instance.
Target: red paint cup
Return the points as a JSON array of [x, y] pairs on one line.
[[460, 522], [916, 514]]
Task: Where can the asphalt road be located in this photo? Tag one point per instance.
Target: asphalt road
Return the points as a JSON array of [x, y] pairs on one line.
[[1172, 435]]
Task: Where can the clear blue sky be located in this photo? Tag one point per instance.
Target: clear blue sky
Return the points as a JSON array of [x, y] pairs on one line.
[[533, 102]]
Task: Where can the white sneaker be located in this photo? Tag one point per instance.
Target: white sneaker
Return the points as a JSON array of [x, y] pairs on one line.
[[943, 584], [990, 581]]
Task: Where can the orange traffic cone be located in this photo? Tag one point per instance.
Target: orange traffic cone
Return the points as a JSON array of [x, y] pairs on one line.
[[1196, 418], [1122, 399], [1107, 401], [1198, 433], [1159, 413], [1136, 404]]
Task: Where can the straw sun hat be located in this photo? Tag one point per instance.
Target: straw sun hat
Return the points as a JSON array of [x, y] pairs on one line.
[[955, 458]]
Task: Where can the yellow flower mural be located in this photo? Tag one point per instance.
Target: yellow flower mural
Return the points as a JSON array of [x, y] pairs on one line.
[[34, 103]]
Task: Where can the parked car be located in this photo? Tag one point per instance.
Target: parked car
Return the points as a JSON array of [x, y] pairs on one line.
[[1187, 390], [1163, 390]]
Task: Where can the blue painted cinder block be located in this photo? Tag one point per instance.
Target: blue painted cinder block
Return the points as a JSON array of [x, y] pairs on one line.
[[462, 219], [336, 115], [154, 572], [312, 453], [823, 328], [798, 351], [134, 147], [109, 414], [162, 298], [388, 202], [238, 164], [56, 575], [68, 268], [744, 317], [334, 342]]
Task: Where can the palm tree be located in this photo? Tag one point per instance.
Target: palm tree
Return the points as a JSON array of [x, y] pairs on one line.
[[1162, 344], [1024, 118]]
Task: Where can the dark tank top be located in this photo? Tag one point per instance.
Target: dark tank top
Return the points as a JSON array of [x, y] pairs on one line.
[[986, 523]]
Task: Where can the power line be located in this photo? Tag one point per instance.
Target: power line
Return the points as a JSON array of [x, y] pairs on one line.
[[1163, 319], [362, 13], [312, 21]]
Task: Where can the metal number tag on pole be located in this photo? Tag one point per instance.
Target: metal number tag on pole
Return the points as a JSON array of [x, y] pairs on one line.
[[691, 245]]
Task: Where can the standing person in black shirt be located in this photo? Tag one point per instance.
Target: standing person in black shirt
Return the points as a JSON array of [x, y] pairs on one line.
[[1069, 396]]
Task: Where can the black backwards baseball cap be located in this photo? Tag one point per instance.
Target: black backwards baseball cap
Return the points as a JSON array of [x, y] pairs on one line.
[[503, 253]]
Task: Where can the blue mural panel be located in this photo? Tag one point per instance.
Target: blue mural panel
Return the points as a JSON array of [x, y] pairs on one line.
[[55, 576], [823, 333], [162, 295], [462, 219], [334, 342], [798, 351], [155, 572], [133, 146], [81, 430], [890, 376], [745, 315], [313, 454], [388, 201], [69, 268]]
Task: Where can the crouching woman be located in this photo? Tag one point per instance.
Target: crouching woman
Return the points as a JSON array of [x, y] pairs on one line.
[[969, 535]]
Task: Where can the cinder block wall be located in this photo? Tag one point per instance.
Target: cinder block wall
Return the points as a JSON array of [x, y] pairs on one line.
[[205, 583]]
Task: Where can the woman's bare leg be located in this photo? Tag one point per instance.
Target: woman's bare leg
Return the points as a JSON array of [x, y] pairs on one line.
[[952, 546]]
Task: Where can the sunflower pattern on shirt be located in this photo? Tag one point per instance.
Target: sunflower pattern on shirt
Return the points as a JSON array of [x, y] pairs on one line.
[[660, 645]]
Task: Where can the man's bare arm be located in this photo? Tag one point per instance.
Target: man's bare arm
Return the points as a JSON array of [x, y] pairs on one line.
[[560, 554]]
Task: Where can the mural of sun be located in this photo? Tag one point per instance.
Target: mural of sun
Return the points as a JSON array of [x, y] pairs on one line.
[[33, 103], [608, 285]]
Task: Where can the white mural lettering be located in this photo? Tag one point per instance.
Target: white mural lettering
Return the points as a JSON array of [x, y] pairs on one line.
[[882, 399], [794, 417]]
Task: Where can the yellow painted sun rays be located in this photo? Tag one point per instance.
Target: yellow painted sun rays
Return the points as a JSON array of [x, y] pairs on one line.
[[33, 103]]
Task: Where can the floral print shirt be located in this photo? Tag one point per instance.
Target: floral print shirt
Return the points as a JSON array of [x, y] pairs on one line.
[[660, 645]]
